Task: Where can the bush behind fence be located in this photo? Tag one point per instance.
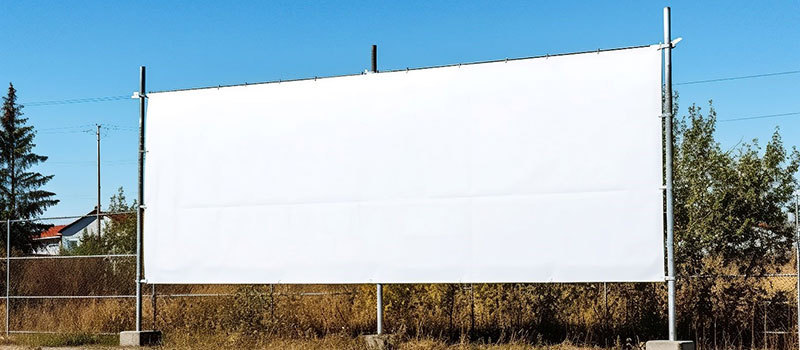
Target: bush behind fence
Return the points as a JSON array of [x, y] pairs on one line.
[[95, 294]]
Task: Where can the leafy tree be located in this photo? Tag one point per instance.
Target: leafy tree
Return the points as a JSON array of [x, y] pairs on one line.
[[20, 188], [731, 218], [731, 209], [119, 233]]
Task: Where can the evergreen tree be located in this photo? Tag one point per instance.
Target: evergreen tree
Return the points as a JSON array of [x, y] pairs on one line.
[[21, 195]]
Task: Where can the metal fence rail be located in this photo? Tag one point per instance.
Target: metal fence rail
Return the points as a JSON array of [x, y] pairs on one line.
[[94, 294]]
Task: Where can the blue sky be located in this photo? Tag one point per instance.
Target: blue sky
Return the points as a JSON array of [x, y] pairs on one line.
[[71, 50]]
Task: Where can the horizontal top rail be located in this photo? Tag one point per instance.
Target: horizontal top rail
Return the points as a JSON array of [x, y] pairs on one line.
[[768, 275], [55, 332], [68, 217], [39, 257], [185, 295], [70, 296]]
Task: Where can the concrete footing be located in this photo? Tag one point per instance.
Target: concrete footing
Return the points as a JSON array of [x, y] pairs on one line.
[[669, 345], [139, 338], [379, 341]]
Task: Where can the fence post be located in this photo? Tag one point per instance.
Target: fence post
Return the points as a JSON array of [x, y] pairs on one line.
[[272, 303], [8, 275], [99, 218], [155, 304], [379, 297], [765, 325], [797, 258]]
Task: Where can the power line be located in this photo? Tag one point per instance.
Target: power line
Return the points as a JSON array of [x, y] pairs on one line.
[[760, 117], [85, 128], [90, 162], [83, 165], [76, 100], [738, 78], [82, 126]]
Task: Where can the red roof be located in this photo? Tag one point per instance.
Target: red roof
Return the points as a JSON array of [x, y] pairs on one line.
[[51, 232]]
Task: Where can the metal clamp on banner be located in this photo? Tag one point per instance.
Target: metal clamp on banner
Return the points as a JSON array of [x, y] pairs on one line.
[[667, 278], [136, 95]]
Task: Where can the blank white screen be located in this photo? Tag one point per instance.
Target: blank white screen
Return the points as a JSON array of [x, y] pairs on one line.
[[532, 170]]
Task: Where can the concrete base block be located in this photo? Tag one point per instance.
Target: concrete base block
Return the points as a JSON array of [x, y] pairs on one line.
[[139, 338], [669, 345], [379, 341]]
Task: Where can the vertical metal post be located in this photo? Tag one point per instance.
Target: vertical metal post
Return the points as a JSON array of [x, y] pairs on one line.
[[471, 309], [154, 304], [99, 234], [378, 287], [140, 201], [272, 302], [667, 48], [766, 335], [379, 297], [797, 256], [8, 274], [374, 59]]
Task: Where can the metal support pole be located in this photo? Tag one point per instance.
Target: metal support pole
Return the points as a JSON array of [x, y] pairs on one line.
[[8, 274], [99, 234], [380, 308], [374, 59], [378, 287], [668, 173], [140, 201], [797, 256]]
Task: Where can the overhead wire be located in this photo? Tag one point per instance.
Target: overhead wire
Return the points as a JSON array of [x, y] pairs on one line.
[[760, 117], [716, 80], [76, 100]]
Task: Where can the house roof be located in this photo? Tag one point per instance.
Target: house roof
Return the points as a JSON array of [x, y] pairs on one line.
[[51, 232], [71, 228], [79, 223]]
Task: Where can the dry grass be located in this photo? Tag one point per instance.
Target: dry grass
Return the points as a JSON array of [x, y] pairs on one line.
[[330, 342], [442, 316]]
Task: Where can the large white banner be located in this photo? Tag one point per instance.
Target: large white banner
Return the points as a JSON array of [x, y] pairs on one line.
[[531, 170]]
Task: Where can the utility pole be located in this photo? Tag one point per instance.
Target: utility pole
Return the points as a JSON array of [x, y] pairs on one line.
[[99, 233]]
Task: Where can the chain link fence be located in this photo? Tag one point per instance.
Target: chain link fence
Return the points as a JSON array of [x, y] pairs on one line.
[[69, 284]]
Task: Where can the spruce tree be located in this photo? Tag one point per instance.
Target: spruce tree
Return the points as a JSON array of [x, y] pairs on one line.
[[21, 195]]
